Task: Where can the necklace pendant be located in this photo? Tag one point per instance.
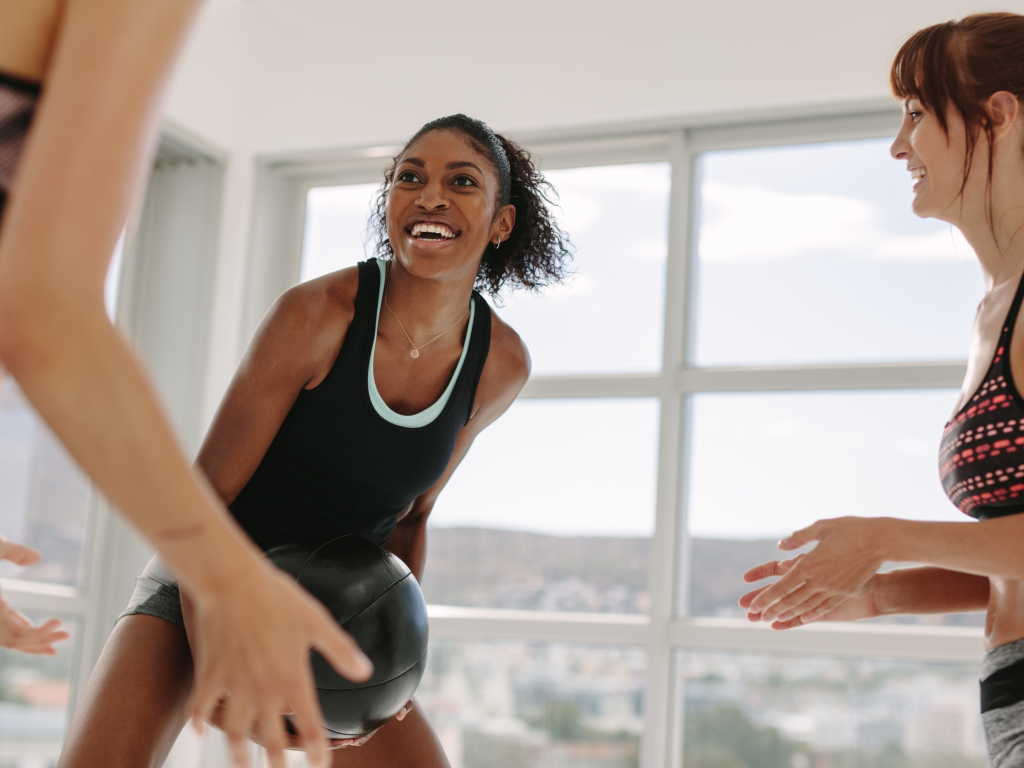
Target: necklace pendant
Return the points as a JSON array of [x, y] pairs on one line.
[[414, 354]]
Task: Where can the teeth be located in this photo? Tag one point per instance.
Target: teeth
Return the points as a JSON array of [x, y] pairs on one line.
[[917, 173], [437, 229]]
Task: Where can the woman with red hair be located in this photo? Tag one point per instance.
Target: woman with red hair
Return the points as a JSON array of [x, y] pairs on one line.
[[961, 84]]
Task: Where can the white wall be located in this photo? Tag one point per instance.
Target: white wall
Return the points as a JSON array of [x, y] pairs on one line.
[[268, 76], [324, 73], [204, 94]]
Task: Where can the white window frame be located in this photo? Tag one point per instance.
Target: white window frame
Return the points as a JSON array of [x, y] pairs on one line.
[[283, 182]]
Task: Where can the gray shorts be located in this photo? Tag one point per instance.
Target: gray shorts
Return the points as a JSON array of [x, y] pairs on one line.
[[156, 594], [1004, 727]]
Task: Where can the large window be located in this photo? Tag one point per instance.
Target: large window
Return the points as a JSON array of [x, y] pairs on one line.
[[758, 333]]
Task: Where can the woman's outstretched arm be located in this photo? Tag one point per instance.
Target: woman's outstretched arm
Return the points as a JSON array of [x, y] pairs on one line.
[[851, 549], [83, 162], [921, 590]]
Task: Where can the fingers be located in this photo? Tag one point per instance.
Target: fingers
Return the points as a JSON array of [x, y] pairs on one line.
[[342, 653], [748, 598], [789, 583], [804, 536], [788, 603], [272, 732], [768, 570], [305, 720], [799, 603], [822, 610], [236, 727], [18, 633], [18, 554], [205, 700], [793, 624]]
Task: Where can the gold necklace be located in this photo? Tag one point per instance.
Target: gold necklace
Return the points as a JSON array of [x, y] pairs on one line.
[[416, 350]]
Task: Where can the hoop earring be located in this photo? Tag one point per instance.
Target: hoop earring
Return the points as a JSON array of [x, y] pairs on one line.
[[497, 244]]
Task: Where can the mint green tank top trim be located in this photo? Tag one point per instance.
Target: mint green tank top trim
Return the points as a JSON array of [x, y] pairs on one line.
[[427, 415]]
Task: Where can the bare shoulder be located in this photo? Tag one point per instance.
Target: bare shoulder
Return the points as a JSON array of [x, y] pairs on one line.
[[320, 303], [307, 325], [507, 367]]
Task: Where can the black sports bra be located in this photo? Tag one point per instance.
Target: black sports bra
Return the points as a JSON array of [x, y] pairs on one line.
[[17, 106], [981, 456]]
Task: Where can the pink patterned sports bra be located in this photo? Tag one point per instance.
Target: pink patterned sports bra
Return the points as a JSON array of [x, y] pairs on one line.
[[981, 456]]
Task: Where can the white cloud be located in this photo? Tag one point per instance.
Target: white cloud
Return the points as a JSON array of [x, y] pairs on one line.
[[756, 224]]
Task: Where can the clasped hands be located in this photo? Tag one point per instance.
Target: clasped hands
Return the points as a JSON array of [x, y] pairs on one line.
[[835, 581]]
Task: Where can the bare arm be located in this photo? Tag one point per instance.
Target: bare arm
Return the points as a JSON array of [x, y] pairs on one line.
[[504, 374], [294, 347], [851, 549], [922, 590], [988, 548], [84, 159]]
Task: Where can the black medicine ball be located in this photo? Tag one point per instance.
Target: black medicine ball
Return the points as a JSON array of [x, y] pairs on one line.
[[376, 599]]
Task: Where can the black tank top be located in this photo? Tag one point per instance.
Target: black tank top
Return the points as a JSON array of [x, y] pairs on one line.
[[17, 106], [981, 457], [337, 465]]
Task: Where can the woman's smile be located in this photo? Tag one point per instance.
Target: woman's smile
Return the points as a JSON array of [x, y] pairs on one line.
[[431, 232], [916, 175]]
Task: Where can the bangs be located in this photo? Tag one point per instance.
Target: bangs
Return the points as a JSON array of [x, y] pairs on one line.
[[924, 68]]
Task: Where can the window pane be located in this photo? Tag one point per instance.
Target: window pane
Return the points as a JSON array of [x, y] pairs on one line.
[[763, 465], [336, 228], [35, 692], [617, 216], [44, 497], [608, 317], [819, 244], [525, 705], [552, 509], [815, 712]]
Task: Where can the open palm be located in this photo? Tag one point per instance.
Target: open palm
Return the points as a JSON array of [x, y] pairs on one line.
[[16, 631]]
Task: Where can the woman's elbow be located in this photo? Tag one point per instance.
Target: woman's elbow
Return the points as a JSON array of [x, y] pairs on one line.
[[34, 325]]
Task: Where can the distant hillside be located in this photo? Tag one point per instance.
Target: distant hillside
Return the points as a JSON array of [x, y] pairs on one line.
[[488, 568]]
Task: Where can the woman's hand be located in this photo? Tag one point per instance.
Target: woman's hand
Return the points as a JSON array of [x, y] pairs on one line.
[[849, 552], [855, 608], [16, 631], [217, 720], [251, 645], [342, 743]]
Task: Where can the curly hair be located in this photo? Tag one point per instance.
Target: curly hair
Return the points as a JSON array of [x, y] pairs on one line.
[[537, 252]]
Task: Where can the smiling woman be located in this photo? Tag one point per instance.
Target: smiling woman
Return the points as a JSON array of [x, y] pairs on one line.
[[961, 141], [536, 251], [362, 391]]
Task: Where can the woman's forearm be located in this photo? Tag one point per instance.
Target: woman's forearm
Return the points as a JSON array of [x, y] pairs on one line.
[[989, 548], [409, 542], [84, 157], [930, 590], [84, 380]]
